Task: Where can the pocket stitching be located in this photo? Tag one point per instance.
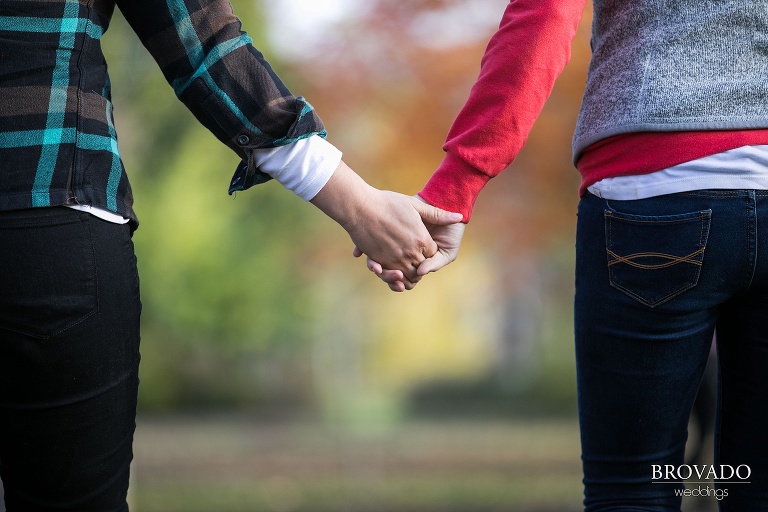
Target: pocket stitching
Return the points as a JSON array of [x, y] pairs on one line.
[[87, 227], [703, 216]]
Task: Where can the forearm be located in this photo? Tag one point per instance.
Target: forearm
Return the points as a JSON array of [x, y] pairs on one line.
[[224, 81], [518, 71], [387, 227], [344, 197]]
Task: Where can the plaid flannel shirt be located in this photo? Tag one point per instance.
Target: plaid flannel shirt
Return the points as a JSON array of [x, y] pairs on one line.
[[57, 138]]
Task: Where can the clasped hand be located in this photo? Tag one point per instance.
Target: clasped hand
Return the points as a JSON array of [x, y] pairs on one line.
[[445, 232], [403, 237]]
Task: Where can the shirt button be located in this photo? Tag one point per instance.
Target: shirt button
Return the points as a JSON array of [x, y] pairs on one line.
[[243, 140]]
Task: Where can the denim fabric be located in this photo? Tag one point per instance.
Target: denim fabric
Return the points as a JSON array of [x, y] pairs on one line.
[[655, 280], [69, 355]]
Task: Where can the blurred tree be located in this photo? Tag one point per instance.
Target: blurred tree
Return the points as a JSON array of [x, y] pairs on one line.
[[404, 69], [213, 267], [388, 82], [226, 276], [256, 301]]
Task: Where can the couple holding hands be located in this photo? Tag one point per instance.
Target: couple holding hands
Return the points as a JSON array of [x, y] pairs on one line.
[[671, 143]]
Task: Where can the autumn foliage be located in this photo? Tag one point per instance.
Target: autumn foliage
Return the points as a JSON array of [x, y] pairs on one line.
[[388, 90]]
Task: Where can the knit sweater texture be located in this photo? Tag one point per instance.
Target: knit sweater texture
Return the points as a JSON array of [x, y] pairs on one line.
[[662, 71], [675, 65]]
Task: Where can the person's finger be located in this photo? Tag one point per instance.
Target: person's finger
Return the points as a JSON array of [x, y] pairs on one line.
[[390, 276], [357, 252], [433, 264], [410, 272], [433, 215], [397, 282], [430, 249], [374, 266]]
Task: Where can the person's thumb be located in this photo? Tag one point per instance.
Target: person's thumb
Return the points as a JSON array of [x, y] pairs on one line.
[[433, 264], [433, 215]]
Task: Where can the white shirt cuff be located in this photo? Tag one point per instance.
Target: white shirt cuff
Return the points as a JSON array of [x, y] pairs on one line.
[[303, 167]]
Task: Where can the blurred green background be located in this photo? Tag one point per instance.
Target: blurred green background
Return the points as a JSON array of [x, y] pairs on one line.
[[278, 374]]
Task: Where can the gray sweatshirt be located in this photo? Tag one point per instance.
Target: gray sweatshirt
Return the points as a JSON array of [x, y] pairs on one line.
[[673, 65]]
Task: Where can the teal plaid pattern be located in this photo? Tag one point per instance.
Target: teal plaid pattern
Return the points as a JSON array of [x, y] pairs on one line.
[[58, 143]]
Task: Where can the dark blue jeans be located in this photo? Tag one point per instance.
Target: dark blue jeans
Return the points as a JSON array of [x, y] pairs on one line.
[[656, 279], [69, 355]]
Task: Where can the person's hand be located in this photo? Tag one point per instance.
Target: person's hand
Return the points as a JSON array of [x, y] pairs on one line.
[[386, 226], [448, 239], [398, 230]]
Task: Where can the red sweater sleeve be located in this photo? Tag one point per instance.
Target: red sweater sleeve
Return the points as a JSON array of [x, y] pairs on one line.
[[517, 73]]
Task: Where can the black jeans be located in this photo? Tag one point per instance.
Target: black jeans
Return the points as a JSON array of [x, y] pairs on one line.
[[69, 357]]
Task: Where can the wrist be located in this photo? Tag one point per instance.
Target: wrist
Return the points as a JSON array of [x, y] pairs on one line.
[[344, 196]]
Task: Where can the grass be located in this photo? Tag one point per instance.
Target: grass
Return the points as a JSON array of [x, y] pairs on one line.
[[237, 464], [232, 464]]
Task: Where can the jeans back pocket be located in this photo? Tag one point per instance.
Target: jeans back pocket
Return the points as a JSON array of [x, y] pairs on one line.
[[47, 271], [655, 258]]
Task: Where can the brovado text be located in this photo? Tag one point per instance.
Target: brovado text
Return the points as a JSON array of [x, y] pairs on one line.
[[723, 472]]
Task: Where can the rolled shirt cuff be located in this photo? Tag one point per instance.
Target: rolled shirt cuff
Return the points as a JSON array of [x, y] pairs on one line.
[[303, 166]]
